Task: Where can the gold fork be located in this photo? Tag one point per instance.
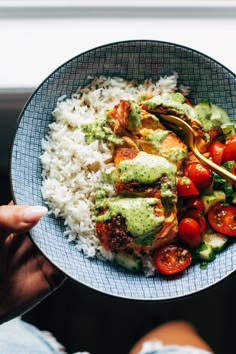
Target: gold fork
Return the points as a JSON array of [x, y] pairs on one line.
[[187, 135]]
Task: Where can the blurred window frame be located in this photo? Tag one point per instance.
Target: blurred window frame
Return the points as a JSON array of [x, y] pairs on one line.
[[26, 4], [115, 8]]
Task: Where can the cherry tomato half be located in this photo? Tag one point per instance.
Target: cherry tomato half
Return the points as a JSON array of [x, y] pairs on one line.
[[199, 175], [189, 232], [194, 203], [216, 150], [186, 188], [223, 219], [230, 150], [198, 216], [172, 259]]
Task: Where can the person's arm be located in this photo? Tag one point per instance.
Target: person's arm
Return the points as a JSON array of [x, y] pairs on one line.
[[26, 277], [179, 333]]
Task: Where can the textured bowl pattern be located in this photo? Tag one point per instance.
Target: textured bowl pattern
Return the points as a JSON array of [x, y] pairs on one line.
[[208, 79]]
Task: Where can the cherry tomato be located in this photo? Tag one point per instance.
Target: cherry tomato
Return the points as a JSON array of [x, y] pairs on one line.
[[216, 150], [223, 219], [172, 259], [230, 150], [198, 216], [199, 175], [186, 188], [187, 101], [194, 203], [190, 232]]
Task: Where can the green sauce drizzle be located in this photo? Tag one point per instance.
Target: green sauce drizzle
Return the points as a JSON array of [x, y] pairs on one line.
[[138, 213], [145, 169]]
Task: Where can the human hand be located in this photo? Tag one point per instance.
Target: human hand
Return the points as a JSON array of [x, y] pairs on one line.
[[26, 276]]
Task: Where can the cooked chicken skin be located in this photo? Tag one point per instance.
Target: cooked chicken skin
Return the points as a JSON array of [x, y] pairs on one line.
[[115, 236]]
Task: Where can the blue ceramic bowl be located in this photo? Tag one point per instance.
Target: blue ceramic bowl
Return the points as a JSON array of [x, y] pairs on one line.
[[141, 59]]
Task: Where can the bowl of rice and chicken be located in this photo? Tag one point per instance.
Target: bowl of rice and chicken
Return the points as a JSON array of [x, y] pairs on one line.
[[132, 212]]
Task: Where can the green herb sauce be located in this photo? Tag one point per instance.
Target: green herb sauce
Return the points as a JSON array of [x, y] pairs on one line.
[[141, 220], [210, 116], [156, 137], [134, 117], [145, 169], [174, 101], [100, 131], [173, 154]]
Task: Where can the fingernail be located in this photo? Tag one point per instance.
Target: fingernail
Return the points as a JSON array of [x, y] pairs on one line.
[[34, 213]]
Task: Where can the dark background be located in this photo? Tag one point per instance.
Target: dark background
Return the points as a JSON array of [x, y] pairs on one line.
[[83, 319]]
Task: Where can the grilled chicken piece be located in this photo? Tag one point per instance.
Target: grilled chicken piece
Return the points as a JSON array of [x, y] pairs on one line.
[[127, 118], [197, 117], [163, 143], [146, 175], [122, 154], [114, 233], [120, 115], [149, 121], [143, 190]]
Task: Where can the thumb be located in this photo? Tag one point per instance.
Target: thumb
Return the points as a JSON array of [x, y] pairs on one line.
[[16, 218]]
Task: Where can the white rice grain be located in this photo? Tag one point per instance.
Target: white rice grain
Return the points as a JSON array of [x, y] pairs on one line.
[[69, 185]]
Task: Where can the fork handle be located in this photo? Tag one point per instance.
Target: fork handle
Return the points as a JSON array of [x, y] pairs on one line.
[[214, 167]]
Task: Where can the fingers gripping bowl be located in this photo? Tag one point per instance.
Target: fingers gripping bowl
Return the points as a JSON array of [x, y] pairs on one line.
[[132, 60]]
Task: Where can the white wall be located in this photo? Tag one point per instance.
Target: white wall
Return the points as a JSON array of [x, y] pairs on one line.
[[35, 41]]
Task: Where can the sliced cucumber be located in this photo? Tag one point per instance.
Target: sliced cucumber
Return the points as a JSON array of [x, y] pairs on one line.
[[229, 165], [128, 261], [206, 252], [218, 182], [228, 190], [209, 200], [215, 240], [228, 130]]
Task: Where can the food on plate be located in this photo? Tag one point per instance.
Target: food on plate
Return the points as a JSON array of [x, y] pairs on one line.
[[222, 218], [229, 153], [198, 174], [134, 224], [172, 259], [216, 149], [189, 232], [127, 187], [145, 175]]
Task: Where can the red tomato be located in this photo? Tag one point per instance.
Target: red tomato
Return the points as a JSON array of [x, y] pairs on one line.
[[216, 150], [230, 150], [190, 232], [172, 259], [223, 219], [187, 101], [199, 175], [186, 188], [198, 216], [194, 203]]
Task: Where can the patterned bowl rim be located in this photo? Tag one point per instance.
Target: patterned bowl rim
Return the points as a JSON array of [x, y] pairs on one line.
[[34, 93]]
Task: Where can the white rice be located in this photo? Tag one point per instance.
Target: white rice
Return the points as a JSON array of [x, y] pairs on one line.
[[69, 185]]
